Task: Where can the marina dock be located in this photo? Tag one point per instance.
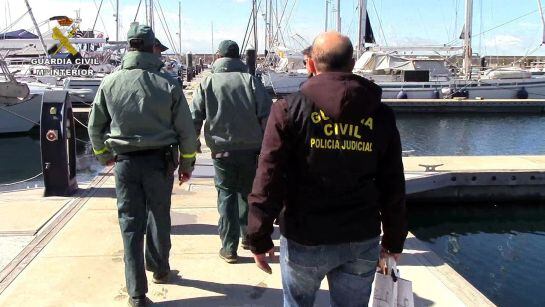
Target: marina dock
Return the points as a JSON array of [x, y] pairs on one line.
[[75, 254]]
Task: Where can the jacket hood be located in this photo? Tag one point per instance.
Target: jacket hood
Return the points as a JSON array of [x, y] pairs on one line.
[[229, 65], [141, 60], [342, 95]]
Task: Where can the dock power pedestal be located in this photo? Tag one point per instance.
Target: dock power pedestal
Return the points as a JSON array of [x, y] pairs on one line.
[[58, 144]]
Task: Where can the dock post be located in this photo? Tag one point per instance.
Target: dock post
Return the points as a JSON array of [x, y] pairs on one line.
[[251, 56], [58, 144], [189, 65]]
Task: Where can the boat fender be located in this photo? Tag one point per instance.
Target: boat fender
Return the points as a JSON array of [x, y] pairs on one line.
[[522, 93], [435, 94], [446, 91], [402, 95]]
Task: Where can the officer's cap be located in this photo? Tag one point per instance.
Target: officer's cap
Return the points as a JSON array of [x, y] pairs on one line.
[[228, 48], [141, 32], [159, 45]]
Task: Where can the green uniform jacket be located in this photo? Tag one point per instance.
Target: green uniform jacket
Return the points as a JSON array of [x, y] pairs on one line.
[[139, 108], [234, 105]]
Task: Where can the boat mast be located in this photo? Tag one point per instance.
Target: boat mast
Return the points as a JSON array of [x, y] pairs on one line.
[[117, 20], [271, 25], [37, 28], [362, 27], [255, 24], [180, 29], [467, 38], [542, 20], [150, 15], [339, 16], [266, 32], [326, 14]]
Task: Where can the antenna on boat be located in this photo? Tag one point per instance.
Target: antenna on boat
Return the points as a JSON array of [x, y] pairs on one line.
[[37, 28]]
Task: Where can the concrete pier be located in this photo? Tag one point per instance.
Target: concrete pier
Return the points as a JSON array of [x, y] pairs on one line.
[[75, 253], [78, 260]]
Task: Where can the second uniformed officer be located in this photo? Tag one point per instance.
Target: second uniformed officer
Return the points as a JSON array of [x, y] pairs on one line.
[[141, 117], [236, 107]]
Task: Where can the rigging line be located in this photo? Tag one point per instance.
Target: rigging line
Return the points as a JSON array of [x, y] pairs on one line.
[[137, 11], [15, 22], [279, 23], [167, 30], [98, 13], [282, 33], [290, 14], [172, 41], [9, 11], [379, 23], [498, 26], [79, 122], [102, 21], [352, 21], [252, 26], [247, 34], [82, 141], [21, 181], [527, 54]]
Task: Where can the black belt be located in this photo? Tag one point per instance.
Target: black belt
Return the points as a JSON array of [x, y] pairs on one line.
[[226, 154], [141, 153]]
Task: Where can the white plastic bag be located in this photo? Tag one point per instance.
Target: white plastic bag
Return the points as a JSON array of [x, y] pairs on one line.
[[390, 290]]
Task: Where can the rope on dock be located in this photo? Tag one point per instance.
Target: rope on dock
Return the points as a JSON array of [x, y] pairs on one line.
[[79, 122], [21, 181]]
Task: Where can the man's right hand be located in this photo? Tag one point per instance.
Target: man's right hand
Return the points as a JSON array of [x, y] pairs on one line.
[[383, 259], [261, 260], [184, 177]]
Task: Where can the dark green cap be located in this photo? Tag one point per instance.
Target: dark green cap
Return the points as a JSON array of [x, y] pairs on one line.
[[228, 48], [143, 32], [159, 45]]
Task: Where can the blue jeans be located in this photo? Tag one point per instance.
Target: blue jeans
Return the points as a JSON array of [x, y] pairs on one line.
[[349, 267]]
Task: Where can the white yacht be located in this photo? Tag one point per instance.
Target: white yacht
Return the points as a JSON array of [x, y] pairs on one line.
[[414, 77]]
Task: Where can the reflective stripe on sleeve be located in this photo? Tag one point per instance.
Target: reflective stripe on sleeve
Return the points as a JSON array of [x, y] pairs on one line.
[[101, 151], [189, 156]]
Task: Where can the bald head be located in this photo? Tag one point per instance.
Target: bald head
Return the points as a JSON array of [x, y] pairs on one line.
[[332, 51]]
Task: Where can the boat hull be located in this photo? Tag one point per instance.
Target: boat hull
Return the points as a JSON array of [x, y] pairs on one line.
[[20, 117]]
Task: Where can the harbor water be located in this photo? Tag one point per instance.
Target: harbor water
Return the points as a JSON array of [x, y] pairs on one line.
[[498, 248]]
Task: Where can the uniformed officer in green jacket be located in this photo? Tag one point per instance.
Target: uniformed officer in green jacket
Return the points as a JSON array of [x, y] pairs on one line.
[[235, 106], [141, 120]]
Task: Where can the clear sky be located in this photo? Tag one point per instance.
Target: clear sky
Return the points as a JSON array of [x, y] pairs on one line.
[[395, 22]]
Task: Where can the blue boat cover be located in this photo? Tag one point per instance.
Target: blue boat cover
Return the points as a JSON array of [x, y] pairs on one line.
[[17, 34]]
